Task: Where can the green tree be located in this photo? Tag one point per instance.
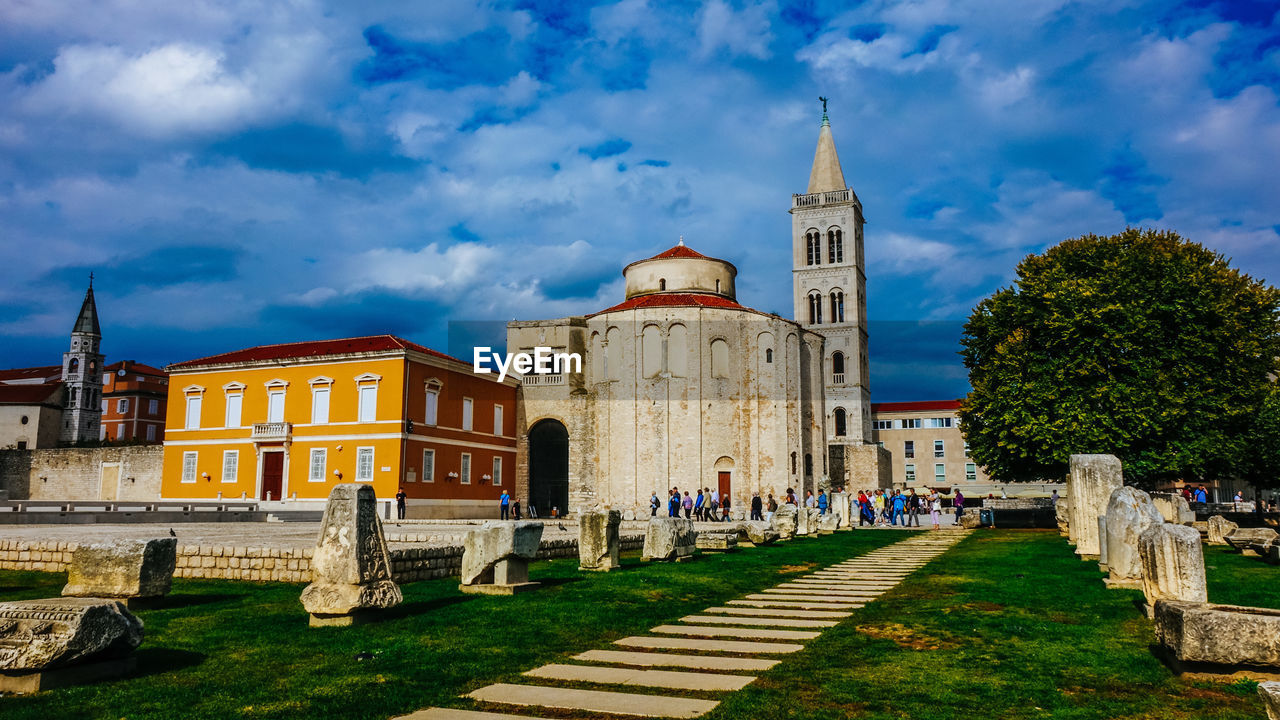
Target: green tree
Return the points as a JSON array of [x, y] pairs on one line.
[[1262, 451], [1142, 344]]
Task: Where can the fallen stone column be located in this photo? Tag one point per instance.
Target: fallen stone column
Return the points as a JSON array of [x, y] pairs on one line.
[[1091, 481], [669, 539], [350, 568], [716, 541], [495, 557], [598, 543], [1218, 639], [1129, 513], [756, 532], [828, 524], [1173, 508], [1270, 693], [1252, 541], [1172, 564], [1219, 528], [135, 572], [785, 521], [56, 642]]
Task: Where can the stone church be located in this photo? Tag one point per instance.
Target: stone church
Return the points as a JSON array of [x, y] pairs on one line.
[[683, 386]]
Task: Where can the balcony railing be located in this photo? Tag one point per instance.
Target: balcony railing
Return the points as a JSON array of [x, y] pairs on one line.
[[837, 378], [822, 198], [272, 431], [530, 380]]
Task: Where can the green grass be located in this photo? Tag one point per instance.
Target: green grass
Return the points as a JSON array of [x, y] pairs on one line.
[[1008, 624]]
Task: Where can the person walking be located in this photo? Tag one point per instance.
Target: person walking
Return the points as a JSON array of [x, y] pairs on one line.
[[914, 503], [504, 501], [899, 504], [791, 498], [822, 502], [958, 502], [724, 508], [935, 509], [688, 505], [715, 505], [770, 507], [673, 503], [653, 505], [757, 507], [1054, 498], [865, 513], [699, 505], [401, 498], [808, 499], [515, 508]]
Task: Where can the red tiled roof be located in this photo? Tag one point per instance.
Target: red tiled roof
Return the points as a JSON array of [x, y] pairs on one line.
[[915, 406], [135, 366], [675, 300], [31, 373], [313, 349], [28, 394], [679, 251]]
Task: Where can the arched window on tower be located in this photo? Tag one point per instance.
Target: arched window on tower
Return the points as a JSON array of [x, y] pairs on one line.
[[815, 309], [837, 367], [841, 423], [808, 465], [837, 306], [813, 246], [662, 284], [75, 365], [835, 246]]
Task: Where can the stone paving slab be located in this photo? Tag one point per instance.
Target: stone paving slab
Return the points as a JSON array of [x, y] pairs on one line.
[[821, 586], [594, 700], [798, 604], [728, 646], [767, 621], [698, 662], [767, 612], [819, 592], [454, 714], [674, 679], [739, 633], [815, 599]]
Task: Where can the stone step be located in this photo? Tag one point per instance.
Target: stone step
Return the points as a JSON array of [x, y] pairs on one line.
[[782, 612], [821, 586], [738, 633], [727, 646], [797, 604], [697, 662], [455, 714], [765, 621], [673, 679], [815, 599], [594, 701]]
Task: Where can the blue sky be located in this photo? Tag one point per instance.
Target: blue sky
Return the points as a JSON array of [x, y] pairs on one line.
[[244, 173]]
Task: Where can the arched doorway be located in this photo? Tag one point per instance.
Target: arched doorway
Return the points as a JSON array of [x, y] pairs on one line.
[[549, 467]]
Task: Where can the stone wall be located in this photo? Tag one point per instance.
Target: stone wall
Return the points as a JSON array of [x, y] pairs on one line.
[[276, 564], [78, 473]]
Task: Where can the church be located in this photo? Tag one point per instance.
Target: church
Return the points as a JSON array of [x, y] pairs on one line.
[[683, 386]]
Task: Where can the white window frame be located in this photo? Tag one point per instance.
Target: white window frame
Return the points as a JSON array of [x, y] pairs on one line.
[[194, 406], [120, 431], [272, 393], [190, 466], [910, 472], [431, 412], [940, 472], [318, 391], [971, 472], [151, 432], [236, 399], [363, 453], [497, 419], [323, 455], [122, 405], [497, 471], [429, 465], [153, 407], [464, 469], [468, 414], [231, 461], [367, 403], [939, 448]]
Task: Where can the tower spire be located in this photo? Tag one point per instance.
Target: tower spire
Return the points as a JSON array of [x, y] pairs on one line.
[[87, 320], [826, 174]]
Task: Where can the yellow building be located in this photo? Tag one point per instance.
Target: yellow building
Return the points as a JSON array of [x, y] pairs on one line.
[[288, 422]]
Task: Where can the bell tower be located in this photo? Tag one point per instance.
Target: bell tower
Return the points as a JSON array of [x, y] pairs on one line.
[[82, 376]]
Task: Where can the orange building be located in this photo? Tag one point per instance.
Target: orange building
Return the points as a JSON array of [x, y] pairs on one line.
[[134, 398], [288, 422]]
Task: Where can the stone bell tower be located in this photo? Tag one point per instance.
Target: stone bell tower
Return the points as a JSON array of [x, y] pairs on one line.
[[82, 376]]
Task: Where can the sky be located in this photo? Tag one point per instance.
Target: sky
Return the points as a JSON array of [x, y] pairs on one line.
[[241, 173]]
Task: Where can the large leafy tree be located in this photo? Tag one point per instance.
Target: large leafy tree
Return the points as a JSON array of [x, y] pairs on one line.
[[1142, 344]]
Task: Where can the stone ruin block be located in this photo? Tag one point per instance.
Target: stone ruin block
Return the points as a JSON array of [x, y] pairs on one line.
[[756, 532], [1252, 541], [828, 524], [55, 642], [971, 520], [1102, 542], [1173, 508], [786, 521], [669, 539], [1129, 513], [1219, 528], [1172, 564], [1062, 514], [128, 570], [350, 567], [1218, 639], [839, 505], [598, 540], [802, 521], [1270, 694], [716, 541], [1090, 482], [495, 557]]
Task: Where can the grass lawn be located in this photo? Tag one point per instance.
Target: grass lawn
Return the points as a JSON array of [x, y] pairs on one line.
[[1008, 624]]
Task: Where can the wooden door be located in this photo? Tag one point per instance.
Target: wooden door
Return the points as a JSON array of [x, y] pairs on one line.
[[272, 475], [110, 481], [723, 478]]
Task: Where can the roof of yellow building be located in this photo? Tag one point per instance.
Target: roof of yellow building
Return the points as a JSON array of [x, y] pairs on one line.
[[313, 349]]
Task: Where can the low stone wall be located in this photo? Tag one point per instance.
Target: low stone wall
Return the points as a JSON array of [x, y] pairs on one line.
[[1017, 503], [408, 564], [133, 473]]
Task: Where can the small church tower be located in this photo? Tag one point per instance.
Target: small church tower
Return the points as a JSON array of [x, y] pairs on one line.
[[830, 290], [82, 375]]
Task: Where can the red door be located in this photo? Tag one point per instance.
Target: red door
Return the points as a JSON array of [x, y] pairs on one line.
[[724, 484], [272, 475]]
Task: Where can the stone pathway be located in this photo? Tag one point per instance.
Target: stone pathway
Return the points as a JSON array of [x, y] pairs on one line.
[[770, 623]]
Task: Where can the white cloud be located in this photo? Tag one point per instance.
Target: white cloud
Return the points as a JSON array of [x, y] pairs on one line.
[[745, 32]]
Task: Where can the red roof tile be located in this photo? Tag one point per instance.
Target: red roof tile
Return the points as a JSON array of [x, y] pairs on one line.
[[915, 406], [679, 251], [135, 366], [31, 373], [675, 300], [30, 394], [313, 349]]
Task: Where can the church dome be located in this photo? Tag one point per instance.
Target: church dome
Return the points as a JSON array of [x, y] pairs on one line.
[[680, 270]]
